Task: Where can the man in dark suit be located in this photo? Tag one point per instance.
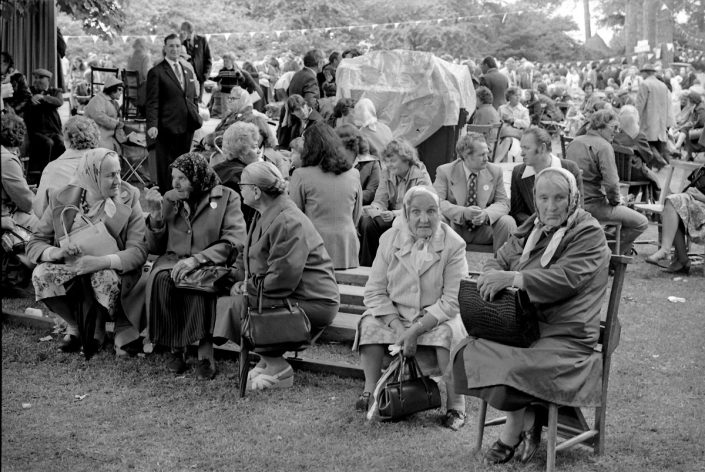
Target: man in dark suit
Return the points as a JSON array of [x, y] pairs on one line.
[[172, 109], [473, 198], [536, 152], [305, 82], [199, 54], [494, 80]]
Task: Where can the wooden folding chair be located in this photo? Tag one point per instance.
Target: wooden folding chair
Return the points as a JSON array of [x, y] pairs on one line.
[[567, 421], [491, 132], [131, 81], [626, 162], [98, 75]]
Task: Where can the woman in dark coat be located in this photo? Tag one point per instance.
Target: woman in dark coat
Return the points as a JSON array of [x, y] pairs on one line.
[[560, 258], [197, 223], [284, 257]]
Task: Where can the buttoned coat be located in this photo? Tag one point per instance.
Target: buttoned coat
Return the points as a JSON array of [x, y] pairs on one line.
[[305, 83], [389, 196], [167, 104], [653, 102], [452, 187], [104, 111], [197, 47]]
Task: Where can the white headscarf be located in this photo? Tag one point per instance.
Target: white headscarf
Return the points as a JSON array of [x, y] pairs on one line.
[[559, 231], [419, 246], [365, 114]]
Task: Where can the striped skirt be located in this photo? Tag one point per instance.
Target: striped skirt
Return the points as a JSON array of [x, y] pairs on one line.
[[178, 317]]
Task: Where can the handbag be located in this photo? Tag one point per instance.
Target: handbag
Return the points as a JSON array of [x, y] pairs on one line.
[[509, 319], [697, 179], [212, 278], [93, 239], [15, 240], [405, 397], [282, 327]]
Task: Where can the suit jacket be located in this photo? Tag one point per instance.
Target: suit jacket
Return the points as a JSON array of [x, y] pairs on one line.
[[653, 102], [197, 47], [498, 85], [168, 104], [452, 188], [522, 190], [305, 83]]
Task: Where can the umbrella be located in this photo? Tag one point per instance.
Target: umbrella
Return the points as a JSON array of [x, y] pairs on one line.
[[244, 351], [86, 317]]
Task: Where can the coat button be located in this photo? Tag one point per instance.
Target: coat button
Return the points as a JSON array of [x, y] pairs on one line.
[[188, 231]]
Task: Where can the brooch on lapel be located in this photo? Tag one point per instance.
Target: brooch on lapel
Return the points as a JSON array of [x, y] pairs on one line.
[[214, 205]]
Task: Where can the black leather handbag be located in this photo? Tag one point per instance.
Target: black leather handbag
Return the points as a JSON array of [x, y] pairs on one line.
[[405, 397], [510, 319], [211, 278], [15, 240], [281, 327]]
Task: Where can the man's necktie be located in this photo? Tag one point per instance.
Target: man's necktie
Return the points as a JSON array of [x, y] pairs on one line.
[[179, 75], [472, 190]]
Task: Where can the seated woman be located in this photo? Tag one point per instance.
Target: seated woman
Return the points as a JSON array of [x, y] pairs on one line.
[[16, 194], [196, 223], [366, 164], [296, 117], [690, 132], [486, 113], [560, 258], [683, 214], [411, 295], [402, 171], [377, 133], [342, 112], [96, 287], [516, 119], [327, 189], [80, 135], [285, 258], [226, 79], [105, 111]]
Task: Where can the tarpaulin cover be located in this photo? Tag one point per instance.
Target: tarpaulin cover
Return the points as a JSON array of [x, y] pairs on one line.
[[415, 93]]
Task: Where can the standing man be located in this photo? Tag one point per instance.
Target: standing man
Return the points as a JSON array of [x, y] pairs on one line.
[[326, 78], [653, 102], [594, 155], [172, 109], [305, 81], [536, 152], [43, 123], [473, 198], [199, 54], [494, 80]]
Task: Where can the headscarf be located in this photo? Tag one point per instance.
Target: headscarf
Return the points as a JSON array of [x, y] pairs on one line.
[[242, 100], [88, 178], [266, 176], [559, 231], [196, 169], [365, 114], [419, 246], [629, 120]]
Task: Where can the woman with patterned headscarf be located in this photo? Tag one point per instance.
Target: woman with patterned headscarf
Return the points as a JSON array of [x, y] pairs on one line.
[[196, 223], [560, 258], [72, 283]]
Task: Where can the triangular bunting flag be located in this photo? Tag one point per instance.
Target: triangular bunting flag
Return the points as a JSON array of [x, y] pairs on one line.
[[124, 38], [252, 34], [152, 37], [208, 37], [278, 33], [227, 36], [94, 38], [350, 28], [396, 25], [374, 26]]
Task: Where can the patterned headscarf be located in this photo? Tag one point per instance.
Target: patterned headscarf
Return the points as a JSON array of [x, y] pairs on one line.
[[88, 178], [558, 231], [196, 169]]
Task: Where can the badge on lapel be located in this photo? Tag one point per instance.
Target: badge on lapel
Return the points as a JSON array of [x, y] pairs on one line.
[[214, 205], [486, 187]]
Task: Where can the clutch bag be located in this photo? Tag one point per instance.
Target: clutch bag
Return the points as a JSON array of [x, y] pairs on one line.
[[509, 319]]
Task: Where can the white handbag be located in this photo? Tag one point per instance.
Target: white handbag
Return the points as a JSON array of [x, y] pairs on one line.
[[93, 239]]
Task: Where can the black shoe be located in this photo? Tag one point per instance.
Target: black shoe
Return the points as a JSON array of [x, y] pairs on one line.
[[70, 343], [454, 420], [499, 453], [363, 402], [205, 370], [531, 440], [176, 363], [678, 268]]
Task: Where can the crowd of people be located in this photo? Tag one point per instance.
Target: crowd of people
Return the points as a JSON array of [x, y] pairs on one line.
[[335, 189]]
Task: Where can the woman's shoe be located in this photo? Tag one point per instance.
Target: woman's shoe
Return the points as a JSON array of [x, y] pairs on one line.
[[531, 440], [454, 420], [499, 453], [283, 379], [363, 402], [70, 343], [678, 268], [205, 369]]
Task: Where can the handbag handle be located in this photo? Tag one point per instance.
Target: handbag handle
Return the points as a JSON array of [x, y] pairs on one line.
[[63, 220], [260, 296]]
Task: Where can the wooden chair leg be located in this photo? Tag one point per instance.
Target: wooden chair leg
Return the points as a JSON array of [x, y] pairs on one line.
[[480, 427], [551, 437], [600, 416]]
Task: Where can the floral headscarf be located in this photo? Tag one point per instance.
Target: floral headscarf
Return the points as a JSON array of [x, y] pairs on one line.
[[196, 169], [558, 231], [88, 178]]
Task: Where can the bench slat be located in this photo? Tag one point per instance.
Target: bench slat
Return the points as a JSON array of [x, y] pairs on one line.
[[351, 294], [357, 276]]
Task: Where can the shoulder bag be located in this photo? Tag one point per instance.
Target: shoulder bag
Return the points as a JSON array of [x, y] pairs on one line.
[[509, 319], [93, 239], [405, 396], [281, 327], [211, 278]]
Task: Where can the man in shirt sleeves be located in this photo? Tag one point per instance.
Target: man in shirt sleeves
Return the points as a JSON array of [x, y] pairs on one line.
[[172, 109], [473, 198]]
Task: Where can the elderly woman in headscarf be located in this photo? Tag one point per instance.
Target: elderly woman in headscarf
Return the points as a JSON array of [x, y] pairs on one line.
[[411, 295], [82, 288], [377, 133], [560, 258], [196, 223]]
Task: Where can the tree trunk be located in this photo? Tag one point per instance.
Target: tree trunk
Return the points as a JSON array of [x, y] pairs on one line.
[[631, 21], [664, 31], [650, 8], [586, 11]]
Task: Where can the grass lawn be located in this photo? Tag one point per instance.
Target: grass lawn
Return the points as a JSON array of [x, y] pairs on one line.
[[136, 416]]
